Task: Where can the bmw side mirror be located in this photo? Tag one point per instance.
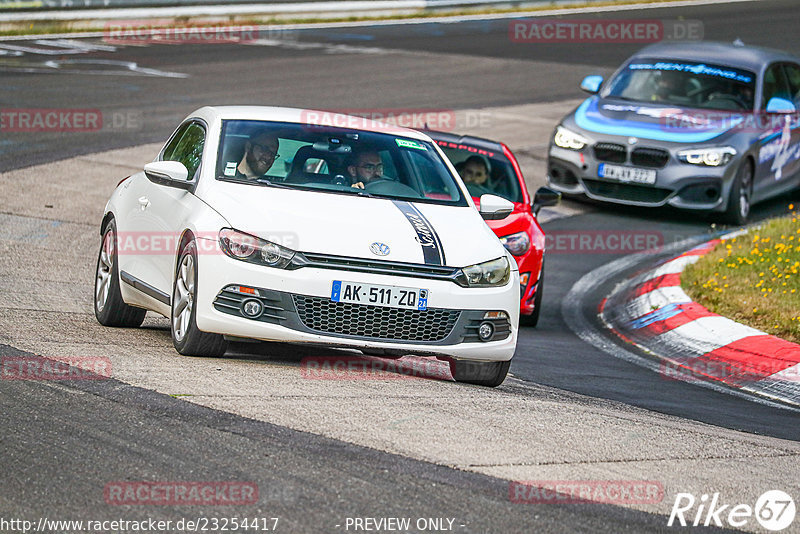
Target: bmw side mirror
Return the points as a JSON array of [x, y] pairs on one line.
[[169, 173], [545, 197], [494, 208], [780, 105], [591, 84]]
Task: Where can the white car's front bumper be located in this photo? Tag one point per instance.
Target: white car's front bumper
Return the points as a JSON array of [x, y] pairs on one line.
[[309, 289]]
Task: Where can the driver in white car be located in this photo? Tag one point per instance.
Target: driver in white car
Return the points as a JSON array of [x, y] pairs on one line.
[[365, 167], [260, 152]]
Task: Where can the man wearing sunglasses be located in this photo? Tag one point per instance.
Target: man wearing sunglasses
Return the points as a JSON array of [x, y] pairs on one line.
[[260, 152], [365, 167]]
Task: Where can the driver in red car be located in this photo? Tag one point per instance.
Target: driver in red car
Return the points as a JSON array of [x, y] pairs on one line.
[[365, 167], [475, 173]]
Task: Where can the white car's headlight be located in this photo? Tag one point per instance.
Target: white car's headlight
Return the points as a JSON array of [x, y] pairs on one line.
[[569, 139], [709, 157], [517, 244], [487, 274], [246, 247]]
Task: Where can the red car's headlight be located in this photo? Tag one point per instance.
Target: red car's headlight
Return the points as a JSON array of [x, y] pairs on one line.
[[517, 244]]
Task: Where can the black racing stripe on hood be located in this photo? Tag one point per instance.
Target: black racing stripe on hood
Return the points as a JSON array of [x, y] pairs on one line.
[[432, 249]]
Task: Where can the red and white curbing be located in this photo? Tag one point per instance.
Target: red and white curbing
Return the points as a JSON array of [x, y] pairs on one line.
[[651, 311]]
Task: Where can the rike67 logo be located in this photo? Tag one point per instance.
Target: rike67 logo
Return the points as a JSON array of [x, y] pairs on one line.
[[774, 510]]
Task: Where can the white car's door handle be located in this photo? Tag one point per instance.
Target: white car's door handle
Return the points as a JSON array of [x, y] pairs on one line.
[[144, 202]]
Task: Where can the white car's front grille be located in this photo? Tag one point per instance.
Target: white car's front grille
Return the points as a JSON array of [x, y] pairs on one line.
[[375, 322]]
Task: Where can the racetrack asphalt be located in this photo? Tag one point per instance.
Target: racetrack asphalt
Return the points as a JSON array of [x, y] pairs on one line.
[[620, 420]]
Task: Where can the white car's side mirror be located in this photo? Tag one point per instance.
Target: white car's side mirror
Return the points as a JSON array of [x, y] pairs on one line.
[[494, 208], [169, 173]]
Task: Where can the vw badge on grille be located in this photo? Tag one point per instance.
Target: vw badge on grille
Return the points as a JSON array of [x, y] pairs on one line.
[[632, 140], [379, 249]]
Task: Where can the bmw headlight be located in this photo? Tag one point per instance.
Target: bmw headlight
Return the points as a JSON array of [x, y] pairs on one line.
[[709, 157], [487, 274], [517, 244], [246, 247], [569, 139]]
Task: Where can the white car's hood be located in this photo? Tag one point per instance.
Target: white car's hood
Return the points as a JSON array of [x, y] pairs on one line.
[[344, 225]]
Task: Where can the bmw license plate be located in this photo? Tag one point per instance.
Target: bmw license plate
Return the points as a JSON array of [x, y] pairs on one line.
[[627, 174], [390, 296]]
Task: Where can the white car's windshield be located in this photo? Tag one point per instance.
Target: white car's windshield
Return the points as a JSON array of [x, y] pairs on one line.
[[685, 84], [334, 160]]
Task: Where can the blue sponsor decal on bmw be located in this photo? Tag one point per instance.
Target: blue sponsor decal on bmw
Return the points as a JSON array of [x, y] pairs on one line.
[[699, 68]]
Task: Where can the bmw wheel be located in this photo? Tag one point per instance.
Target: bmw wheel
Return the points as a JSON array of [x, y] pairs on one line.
[[740, 197], [490, 374], [109, 308], [186, 337]]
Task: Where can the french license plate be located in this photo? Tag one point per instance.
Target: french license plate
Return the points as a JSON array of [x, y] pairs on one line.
[[627, 174], [390, 296]]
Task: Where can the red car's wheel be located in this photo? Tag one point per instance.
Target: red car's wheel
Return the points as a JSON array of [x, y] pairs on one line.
[[533, 319]]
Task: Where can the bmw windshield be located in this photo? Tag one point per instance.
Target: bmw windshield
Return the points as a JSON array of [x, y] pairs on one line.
[[335, 160], [684, 84]]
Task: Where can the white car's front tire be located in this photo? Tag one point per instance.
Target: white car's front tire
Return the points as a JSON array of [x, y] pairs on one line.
[[490, 374], [186, 337]]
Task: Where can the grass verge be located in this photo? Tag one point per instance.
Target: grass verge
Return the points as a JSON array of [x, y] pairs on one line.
[[754, 279]]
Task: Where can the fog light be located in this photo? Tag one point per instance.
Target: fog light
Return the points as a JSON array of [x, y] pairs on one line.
[[485, 331], [252, 308]]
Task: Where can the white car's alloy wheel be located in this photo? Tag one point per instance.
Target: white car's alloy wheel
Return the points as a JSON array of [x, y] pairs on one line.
[[184, 291], [186, 337], [105, 268]]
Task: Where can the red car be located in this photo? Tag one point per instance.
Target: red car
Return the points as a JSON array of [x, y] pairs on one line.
[[489, 167]]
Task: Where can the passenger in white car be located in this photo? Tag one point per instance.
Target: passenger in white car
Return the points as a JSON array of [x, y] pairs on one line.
[[260, 152]]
